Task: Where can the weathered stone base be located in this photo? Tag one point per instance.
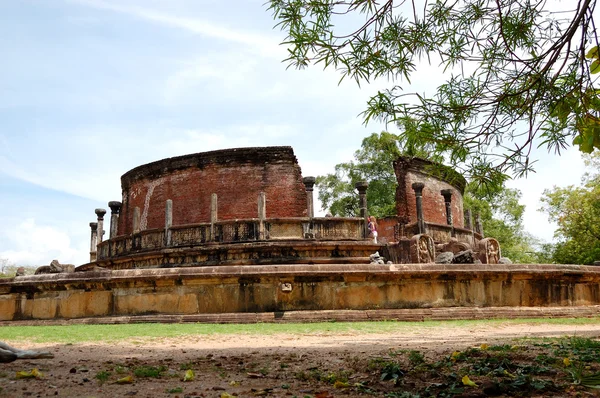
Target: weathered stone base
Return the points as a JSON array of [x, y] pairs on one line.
[[212, 292], [248, 253], [405, 315]]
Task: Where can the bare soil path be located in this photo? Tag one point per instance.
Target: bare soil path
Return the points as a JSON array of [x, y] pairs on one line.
[[279, 365]]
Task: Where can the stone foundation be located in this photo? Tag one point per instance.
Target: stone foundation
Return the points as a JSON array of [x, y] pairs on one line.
[[284, 288]]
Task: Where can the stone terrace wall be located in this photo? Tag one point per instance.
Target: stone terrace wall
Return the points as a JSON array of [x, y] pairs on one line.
[[231, 289], [435, 178], [237, 176]]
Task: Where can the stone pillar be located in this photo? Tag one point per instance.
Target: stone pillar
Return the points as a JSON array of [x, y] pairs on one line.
[[418, 188], [168, 221], [478, 225], [94, 242], [262, 215], [115, 208], [309, 183], [100, 213], [361, 187], [447, 194], [468, 224], [213, 215], [136, 220]]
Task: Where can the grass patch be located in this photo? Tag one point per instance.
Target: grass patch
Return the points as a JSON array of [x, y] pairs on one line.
[[102, 376], [89, 333], [149, 371]]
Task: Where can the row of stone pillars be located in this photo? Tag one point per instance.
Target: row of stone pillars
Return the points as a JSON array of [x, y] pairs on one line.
[[97, 228], [447, 194]]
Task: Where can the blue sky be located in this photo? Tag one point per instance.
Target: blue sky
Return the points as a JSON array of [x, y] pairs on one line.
[[93, 88]]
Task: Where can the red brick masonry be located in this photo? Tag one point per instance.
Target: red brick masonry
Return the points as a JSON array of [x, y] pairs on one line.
[[237, 176]]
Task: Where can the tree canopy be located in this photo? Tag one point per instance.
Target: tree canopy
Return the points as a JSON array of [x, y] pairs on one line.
[[519, 72], [576, 210]]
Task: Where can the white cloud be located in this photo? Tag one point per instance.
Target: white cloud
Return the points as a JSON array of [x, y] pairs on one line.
[[266, 44], [33, 244], [563, 170]]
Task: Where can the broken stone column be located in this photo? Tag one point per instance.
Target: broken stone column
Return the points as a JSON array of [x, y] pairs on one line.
[[362, 186], [478, 225], [447, 194], [262, 215], [136, 220], [468, 224], [115, 208], [100, 213], [309, 183], [213, 215], [94, 242], [418, 188], [168, 221]]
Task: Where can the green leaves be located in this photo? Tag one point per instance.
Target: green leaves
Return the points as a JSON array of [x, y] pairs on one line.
[[515, 75], [576, 210], [589, 134], [593, 53]]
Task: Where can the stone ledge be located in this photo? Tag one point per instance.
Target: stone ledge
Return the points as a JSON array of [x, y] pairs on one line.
[[406, 315]]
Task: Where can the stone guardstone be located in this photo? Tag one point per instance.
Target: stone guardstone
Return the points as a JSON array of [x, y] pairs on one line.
[[489, 251], [505, 260], [444, 258], [422, 249], [464, 257]]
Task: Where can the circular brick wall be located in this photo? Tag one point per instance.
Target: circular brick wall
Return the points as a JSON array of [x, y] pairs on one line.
[[237, 176]]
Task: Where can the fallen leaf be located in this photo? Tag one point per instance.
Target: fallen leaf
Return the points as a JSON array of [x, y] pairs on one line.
[[323, 394], [189, 375], [255, 375], [125, 380], [467, 382], [455, 355], [226, 395], [261, 393], [234, 383], [34, 374], [340, 384], [484, 346], [567, 362]]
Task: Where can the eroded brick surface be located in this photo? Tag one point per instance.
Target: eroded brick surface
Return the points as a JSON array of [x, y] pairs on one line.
[[237, 176]]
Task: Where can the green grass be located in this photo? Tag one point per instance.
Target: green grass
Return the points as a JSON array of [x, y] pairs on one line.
[[91, 333]]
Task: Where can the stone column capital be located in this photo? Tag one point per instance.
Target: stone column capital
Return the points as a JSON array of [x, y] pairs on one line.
[[94, 226], [100, 213], [115, 206], [447, 194], [418, 188], [362, 186], [309, 183]]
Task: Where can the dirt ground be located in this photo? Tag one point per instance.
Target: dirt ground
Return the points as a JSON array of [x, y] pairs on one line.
[[280, 365]]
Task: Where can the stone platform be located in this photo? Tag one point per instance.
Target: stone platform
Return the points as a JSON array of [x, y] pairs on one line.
[[259, 293]]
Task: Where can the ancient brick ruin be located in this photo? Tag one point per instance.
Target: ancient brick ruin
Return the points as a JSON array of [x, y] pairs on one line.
[[252, 206], [209, 236]]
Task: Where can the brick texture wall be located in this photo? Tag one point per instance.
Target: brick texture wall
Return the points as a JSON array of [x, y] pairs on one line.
[[237, 176], [435, 178]]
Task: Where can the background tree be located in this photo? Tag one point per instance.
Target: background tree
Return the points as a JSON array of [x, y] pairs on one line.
[[517, 72], [576, 210], [500, 210], [502, 218]]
